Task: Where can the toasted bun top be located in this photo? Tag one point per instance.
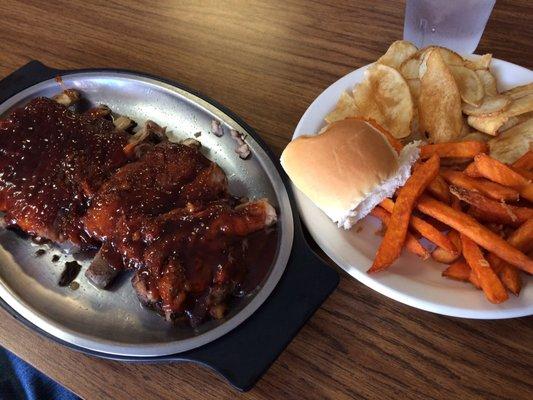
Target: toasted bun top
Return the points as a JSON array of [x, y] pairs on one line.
[[342, 166]]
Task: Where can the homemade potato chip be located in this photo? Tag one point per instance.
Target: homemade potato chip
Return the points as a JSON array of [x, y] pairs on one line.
[[465, 128], [384, 96], [476, 136], [409, 68], [470, 86], [414, 88], [491, 123], [440, 101], [345, 108], [488, 124], [519, 91], [489, 82], [489, 106], [476, 62], [450, 57], [512, 121], [513, 143], [397, 53]]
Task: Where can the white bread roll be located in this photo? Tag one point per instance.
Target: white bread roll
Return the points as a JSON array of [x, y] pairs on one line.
[[348, 169]]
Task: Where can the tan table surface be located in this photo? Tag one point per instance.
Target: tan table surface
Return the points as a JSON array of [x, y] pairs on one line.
[[267, 60]]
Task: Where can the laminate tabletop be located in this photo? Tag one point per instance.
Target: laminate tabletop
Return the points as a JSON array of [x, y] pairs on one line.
[[267, 61]]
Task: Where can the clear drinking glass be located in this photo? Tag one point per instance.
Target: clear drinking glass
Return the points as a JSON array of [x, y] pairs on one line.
[[456, 24]]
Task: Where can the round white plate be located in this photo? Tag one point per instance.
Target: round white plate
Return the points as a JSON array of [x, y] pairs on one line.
[[410, 280]]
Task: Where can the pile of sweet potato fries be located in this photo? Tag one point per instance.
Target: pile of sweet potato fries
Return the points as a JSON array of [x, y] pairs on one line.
[[476, 210]]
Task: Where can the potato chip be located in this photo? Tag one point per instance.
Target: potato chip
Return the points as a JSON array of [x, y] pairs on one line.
[[519, 91], [450, 57], [476, 136], [345, 108], [491, 123], [397, 53], [513, 143], [470, 86], [488, 124], [489, 106], [409, 68], [489, 82], [384, 96], [476, 62], [517, 119], [414, 88], [465, 128], [440, 101]]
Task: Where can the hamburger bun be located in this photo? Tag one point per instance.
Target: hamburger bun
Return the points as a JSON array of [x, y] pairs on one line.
[[348, 169]]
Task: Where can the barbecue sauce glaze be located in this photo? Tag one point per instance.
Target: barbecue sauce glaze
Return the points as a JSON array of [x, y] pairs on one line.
[[52, 162]]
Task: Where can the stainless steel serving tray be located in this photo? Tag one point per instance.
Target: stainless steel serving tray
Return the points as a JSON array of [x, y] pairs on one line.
[[113, 322]]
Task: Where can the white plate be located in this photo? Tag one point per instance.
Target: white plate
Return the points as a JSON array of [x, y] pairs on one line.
[[410, 280]]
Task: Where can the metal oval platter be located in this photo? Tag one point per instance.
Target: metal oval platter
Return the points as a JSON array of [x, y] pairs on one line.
[[113, 321]]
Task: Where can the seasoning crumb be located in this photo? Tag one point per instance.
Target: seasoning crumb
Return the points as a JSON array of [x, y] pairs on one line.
[[71, 271], [40, 252], [74, 285], [243, 150], [55, 258], [198, 134], [359, 228], [216, 128]]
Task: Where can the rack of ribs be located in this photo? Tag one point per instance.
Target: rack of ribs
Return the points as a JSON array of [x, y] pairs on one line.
[[52, 162], [159, 208], [169, 217]]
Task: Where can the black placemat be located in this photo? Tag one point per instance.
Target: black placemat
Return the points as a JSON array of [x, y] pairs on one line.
[[245, 353]]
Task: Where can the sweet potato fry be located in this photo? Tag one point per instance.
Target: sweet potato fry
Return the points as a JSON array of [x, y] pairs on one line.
[[391, 246], [488, 188], [524, 172], [467, 149], [447, 257], [458, 270], [525, 162], [527, 192], [488, 280], [439, 188], [498, 172], [522, 238], [494, 210], [461, 271], [472, 171], [509, 274], [411, 243], [487, 218], [425, 229], [468, 226]]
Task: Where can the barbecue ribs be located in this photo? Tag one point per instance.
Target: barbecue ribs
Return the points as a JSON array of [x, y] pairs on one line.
[[169, 216], [159, 208], [52, 162]]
